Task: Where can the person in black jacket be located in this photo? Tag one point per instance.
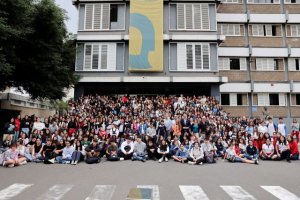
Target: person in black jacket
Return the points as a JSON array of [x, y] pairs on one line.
[[151, 150], [93, 152], [251, 151]]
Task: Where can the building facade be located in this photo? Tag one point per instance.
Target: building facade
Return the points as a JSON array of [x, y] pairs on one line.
[[244, 52]]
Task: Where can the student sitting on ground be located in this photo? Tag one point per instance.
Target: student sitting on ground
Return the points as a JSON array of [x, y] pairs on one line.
[[231, 156], [163, 151], [126, 149], [11, 157], [112, 151], [196, 155], [181, 155], [268, 151], [93, 153], [66, 154], [139, 150]]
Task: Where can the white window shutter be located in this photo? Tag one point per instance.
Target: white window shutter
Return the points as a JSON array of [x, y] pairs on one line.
[[224, 29], [198, 56], [230, 29], [104, 49], [89, 8], [267, 99], [268, 30], [112, 57], [255, 30], [181, 56], [97, 16], [243, 64], [271, 64], [197, 16], [292, 64], [260, 29], [226, 64], [276, 1], [259, 64], [88, 57], [233, 99], [189, 16], [205, 16], [180, 16], [105, 16], [95, 56], [287, 1], [220, 63], [265, 64], [293, 30], [237, 29], [205, 57], [250, 1], [260, 99], [282, 99], [298, 30]]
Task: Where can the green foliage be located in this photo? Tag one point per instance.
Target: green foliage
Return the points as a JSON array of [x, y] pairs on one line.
[[36, 53]]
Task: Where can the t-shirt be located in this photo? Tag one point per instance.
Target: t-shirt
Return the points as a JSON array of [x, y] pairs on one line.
[[281, 146], [48, 149], [268, 148]]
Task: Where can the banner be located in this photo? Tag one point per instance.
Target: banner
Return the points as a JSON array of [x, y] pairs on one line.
[[146, 35]]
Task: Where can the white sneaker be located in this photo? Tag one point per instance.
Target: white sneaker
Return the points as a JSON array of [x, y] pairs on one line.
[[73, 162], [10, 166], [121, 159], [166, 159], [52, 160], [191, 163], [201, 163], [76, 162], [23, 163], [160, 160]]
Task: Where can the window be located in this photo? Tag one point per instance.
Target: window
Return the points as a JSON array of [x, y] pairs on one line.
[[239, 99], [232, 63], [274, 99], [225, 99], [193, 56], [294, 64], [230, 1], [231, 29], [267, 64], [192, 16], [295, 30], [292, 1], [104, 16], [101, 56], [265, 30], [298, 99], [264, 1]]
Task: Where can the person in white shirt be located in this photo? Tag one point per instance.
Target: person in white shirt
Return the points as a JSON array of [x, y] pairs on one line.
[[66, 154], [271, 126], [38, 125], [268, 151], [126, 149], [282, 127]]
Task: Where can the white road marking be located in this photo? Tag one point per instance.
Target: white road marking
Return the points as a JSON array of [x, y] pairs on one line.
[[56, 192], [193, 192], [237, 193], [102, 192], [280, 192], [155, 190], [13, 190]]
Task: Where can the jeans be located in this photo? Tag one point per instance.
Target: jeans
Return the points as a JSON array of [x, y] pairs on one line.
[[137, 156], [250, 157], [16, 135], [28, 157], [25, 130], [76, 156], [63, 161]]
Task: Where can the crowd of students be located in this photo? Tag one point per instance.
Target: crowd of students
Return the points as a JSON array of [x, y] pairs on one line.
[[187, 129]]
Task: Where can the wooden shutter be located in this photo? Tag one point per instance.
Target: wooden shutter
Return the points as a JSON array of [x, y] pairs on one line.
[[105, 16], [282, 99], [180, 16], [181, 56], [233, 99], [112, 57], [88, 57], [205, 16], [205, 53], [104, 50], [189, 16], [268, 28], [243, 64], [197, 16], [89, 9], [198, 59], [292, 64]]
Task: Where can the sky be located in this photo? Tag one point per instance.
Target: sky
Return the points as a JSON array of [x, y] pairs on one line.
[[72, 14]]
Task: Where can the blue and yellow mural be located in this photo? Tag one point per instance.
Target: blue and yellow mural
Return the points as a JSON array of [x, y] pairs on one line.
[[146, 35]]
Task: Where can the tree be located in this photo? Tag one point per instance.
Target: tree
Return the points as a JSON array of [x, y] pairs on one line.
[[36, 52]]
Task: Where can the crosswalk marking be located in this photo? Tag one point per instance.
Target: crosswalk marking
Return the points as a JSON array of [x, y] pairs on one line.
[[193, 192], [13, 191], [102, 192], [56, 192], [237, 193], [280, 193], [155, 190]]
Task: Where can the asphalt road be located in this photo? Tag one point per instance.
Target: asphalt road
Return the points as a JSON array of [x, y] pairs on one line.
[[79, 181]]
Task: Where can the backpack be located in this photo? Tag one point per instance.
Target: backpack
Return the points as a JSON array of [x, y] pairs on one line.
[[209, 157]]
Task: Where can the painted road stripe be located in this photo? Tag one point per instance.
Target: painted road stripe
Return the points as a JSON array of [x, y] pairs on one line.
[[56, 192], [280, 193], [13, 190], [102, 192], [155, 190], [193, 192], [237, 193]]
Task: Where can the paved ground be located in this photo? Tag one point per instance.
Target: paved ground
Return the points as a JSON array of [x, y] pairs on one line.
[[116, 179]]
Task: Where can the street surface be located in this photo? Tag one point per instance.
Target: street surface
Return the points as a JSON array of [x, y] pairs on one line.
[[167, 181]]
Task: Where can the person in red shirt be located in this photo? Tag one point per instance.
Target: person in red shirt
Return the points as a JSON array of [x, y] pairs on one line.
[[293, 147], [260, 141]]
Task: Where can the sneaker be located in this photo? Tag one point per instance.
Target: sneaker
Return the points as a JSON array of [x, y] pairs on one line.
[[256, 162], [191, 163], [182, 161], [10, 166], [76, 162], [166, 159], [201, 163], [144, 160], [132, 158], [67, 162], [121, 159], [23, 163], [52, 160], [160, 160], [73, 162]]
